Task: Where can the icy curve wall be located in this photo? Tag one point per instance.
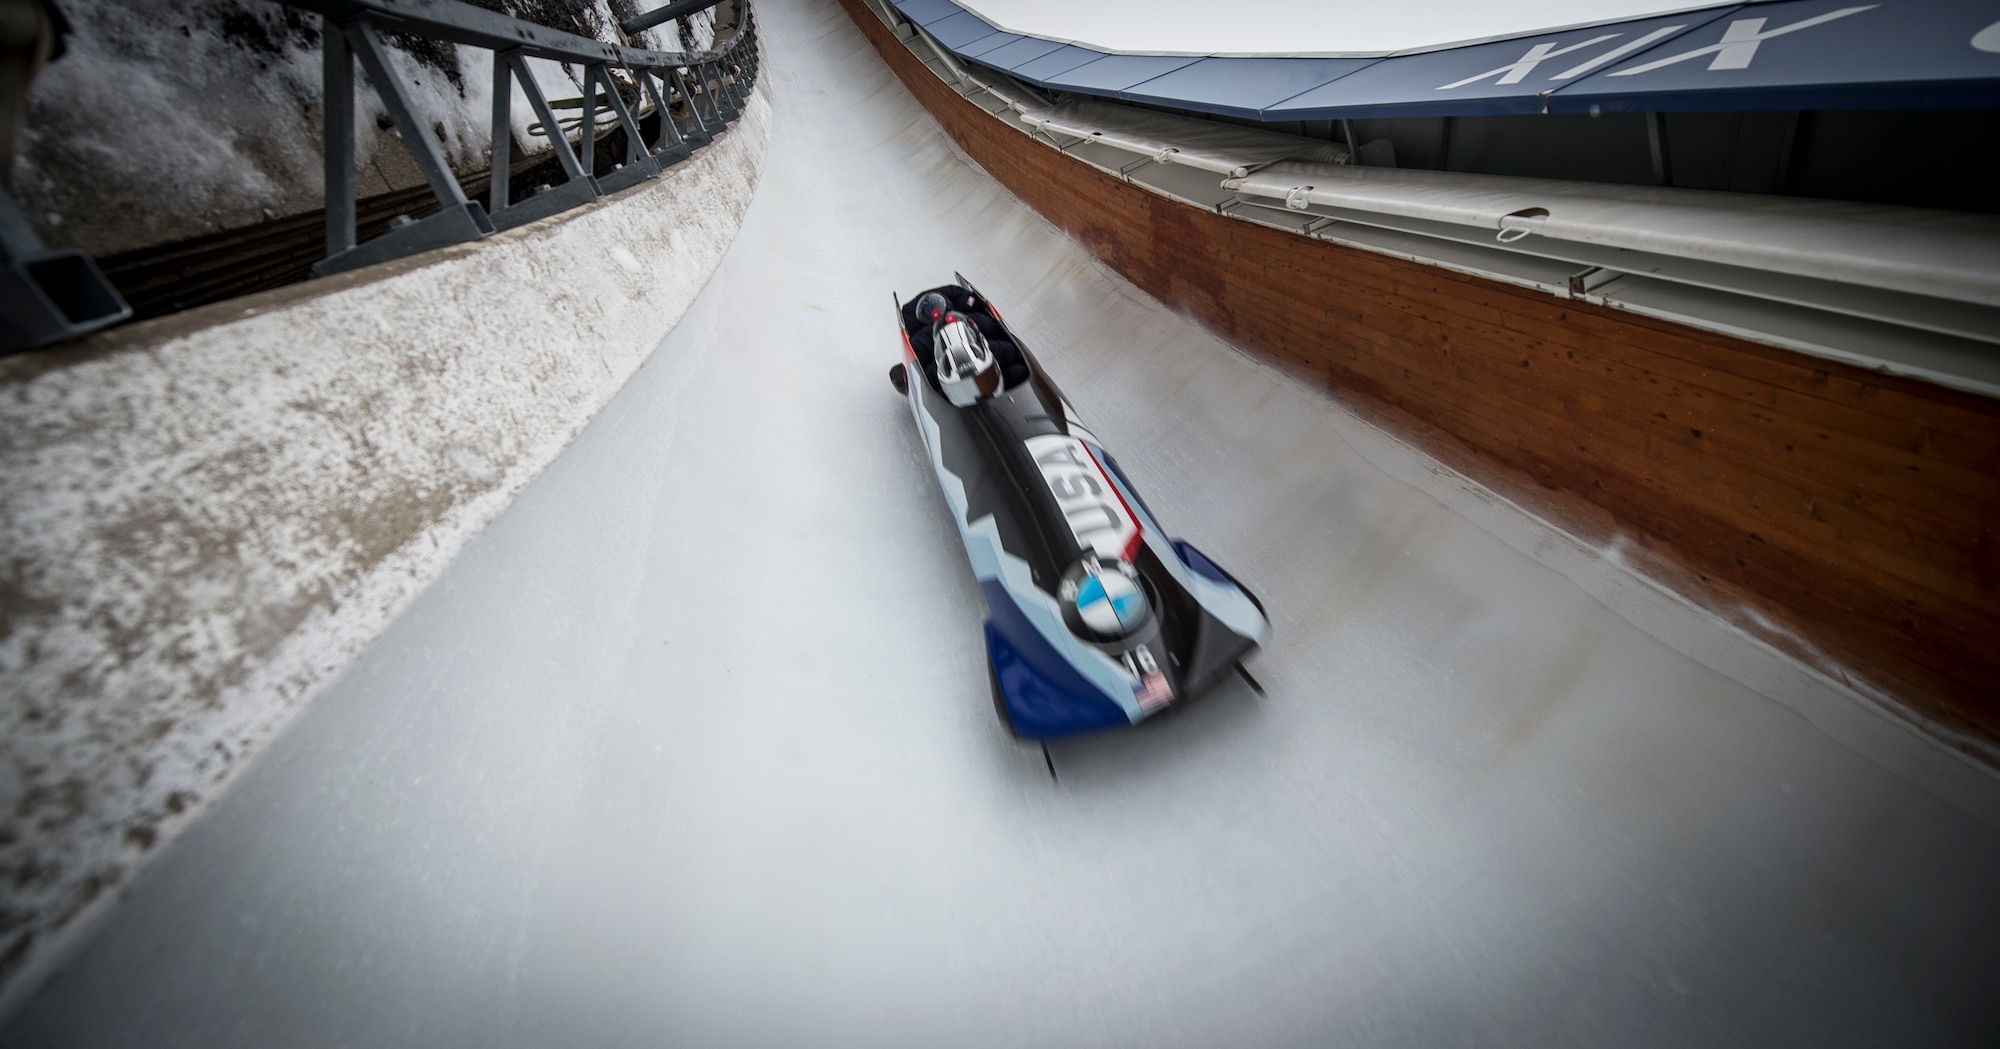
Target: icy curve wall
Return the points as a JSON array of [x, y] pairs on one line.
[[206, 517]]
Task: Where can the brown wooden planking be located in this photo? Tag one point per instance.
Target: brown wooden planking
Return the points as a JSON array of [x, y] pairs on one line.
[[1610, 417], [1765, 458], [1898, 438], [1864, 409], [1459, 367], [1846, 516]]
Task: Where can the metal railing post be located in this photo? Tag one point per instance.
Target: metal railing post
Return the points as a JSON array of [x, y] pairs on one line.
[[503, 132], [701, 80], [704, 79], [696, 125], [670, 132], [720, 97], [558, 140], [424, 147], [578, 185], [457, 220], [587, 143], [725, 91], [337, 79]]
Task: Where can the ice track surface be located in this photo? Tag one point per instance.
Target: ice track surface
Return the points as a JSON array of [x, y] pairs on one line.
[[693, 747]]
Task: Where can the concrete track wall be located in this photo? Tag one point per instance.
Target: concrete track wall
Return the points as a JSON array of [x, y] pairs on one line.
[[206, 517], [1847, 518]]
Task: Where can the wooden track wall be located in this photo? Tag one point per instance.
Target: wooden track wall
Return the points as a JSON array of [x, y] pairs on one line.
[[1845, 516]]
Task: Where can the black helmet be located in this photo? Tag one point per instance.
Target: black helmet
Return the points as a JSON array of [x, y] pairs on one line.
[[932, 306]]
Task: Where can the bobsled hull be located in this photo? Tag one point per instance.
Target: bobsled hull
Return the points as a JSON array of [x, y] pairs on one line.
[[1095, 618]]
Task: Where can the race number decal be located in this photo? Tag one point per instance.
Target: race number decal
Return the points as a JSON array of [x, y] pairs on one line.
[[1096, 515]]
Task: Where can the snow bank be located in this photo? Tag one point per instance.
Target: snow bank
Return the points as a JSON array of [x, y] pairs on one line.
[[207, 517]]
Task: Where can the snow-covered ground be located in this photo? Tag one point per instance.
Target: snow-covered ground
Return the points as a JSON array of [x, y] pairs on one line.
[[167, 120], [692, 745]]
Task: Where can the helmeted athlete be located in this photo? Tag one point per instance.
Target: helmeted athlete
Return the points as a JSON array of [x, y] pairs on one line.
[[932, 307]]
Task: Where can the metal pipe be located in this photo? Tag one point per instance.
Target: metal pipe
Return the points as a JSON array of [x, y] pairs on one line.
[[635, 144], [641, 23]]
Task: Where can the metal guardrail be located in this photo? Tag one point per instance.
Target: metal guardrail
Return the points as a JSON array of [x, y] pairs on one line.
[[711, 88], [48, 296]]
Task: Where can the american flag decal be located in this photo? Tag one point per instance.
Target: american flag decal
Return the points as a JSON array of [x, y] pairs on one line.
[[1152, 691]]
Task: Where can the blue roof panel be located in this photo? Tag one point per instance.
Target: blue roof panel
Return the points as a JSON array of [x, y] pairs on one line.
[[1055, 63], [1026, 49], [1243, 85], [1117, 72], [991, 43], [924, 12], [959, 30]]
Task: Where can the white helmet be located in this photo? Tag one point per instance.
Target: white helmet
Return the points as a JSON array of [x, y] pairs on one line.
[[965, 364]]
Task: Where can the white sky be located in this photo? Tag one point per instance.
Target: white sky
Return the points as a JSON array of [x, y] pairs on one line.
[[1204, 26]]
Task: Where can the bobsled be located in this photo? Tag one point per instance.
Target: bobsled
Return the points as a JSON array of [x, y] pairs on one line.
[[1096, 618]]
